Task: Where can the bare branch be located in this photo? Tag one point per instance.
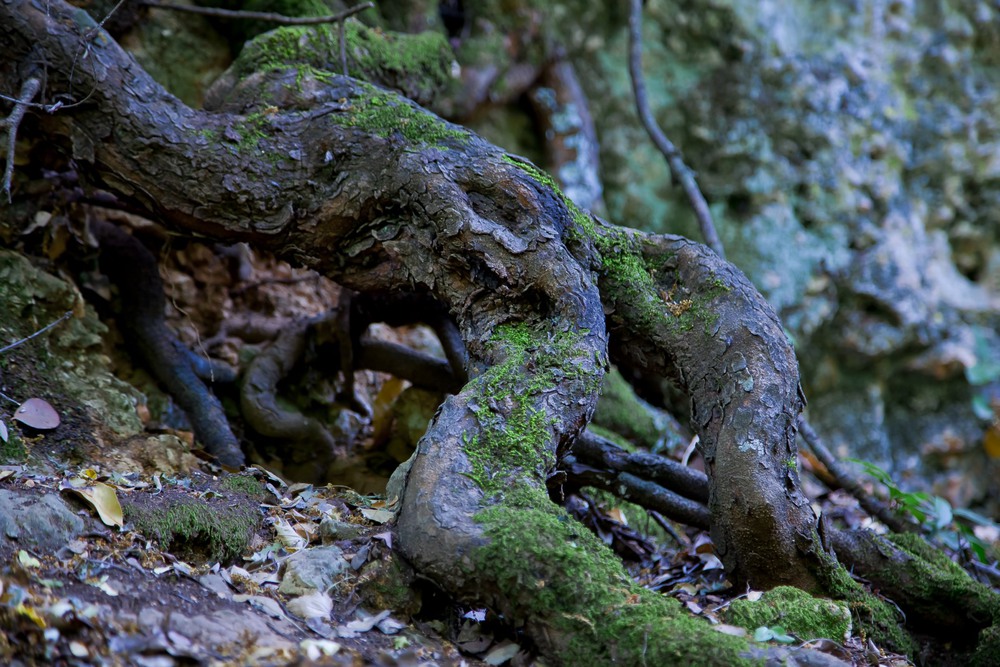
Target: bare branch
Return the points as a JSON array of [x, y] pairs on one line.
[[848, 483], [271, 17], [28, 92], [678, 170], [48, 326]]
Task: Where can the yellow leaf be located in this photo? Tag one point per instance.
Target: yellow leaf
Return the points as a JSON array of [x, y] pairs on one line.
[[991, 441], [103, 498], [31, 613], [26, 560]]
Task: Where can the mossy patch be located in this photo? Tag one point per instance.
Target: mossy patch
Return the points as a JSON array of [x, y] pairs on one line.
[[874, 617], [65, 364], [506, 444], [202, 529], [418, 66], [246, 484], [385, 114], [625, 275], [554, 571], [548, 567], [799, 613]]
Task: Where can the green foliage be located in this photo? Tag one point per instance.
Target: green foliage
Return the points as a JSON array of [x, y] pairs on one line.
[[775, 634], [951, 527]]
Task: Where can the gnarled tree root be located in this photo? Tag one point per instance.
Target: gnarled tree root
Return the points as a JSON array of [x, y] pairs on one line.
[[133, 270], [380, 196]]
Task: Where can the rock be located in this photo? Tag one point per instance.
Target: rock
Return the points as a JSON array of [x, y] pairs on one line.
[[45, 523], [312, 569]]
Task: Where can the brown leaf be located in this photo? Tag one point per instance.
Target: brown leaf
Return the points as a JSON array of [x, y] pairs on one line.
[[37, 413]]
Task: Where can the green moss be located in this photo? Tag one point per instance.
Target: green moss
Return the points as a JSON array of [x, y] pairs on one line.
[[388, 584], [196, 527], [505, 445], [385, 114], [935, 572], [416, 65], [551, 567], [620, 411], [796, 611], [624, 271], [988, 647], [874, 617], [245, 484], [251, 131], [12, 450]]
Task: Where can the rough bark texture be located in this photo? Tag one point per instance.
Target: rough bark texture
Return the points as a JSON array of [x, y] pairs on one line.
[[383, 197]]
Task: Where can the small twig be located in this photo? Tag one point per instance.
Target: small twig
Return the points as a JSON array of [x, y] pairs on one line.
[[12, 122], [62, 318], [849, 483], [342, 37], [111, 13], [662, 522], [270, 17], [678, 170]]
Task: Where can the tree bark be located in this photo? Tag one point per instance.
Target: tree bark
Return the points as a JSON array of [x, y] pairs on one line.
[[371, 190]]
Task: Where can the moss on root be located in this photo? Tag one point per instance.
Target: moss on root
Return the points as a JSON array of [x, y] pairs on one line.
[[556, 576], [625, 275], [556, 572], [416, 65], [507, 444], [798, 612]]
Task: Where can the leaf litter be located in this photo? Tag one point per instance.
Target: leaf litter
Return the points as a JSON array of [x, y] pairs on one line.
[[112, 596]]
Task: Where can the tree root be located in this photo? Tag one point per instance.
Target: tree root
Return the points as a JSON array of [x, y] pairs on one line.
[[384, 198], [133, 270]]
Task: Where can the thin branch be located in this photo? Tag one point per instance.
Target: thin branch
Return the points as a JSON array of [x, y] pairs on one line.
[[678, 170], [270, 17], [598, 451], [642, 492], [12, 122], [61, 319], [849, 483], [111, 13]]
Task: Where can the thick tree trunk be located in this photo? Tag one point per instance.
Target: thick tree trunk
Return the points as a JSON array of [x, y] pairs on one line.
[[381, 196]]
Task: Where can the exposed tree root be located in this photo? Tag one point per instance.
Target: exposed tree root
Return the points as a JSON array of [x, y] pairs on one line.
[[385, 198], [133, 270]]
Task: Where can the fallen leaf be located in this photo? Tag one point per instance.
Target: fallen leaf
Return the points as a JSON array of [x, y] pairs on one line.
[[103, 585], [478, 615], [26, 560], [734, 630], [37, 413], [102, 498], [356, 627], [261, 603], [317, 648], [376, 515], [287, 535], [390, 626], [313, 605], [3, 431], [501, 653]]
